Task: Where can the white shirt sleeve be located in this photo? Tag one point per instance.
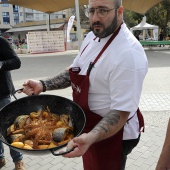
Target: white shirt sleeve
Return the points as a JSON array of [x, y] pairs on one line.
[[126, 81]]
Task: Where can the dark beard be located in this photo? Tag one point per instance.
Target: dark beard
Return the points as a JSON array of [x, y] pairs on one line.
[[106, 31]]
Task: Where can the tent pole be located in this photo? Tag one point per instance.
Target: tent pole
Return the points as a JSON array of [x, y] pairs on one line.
[[78, 24], [49, 21]]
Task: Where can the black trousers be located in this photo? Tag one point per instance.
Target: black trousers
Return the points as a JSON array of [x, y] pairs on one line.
[[128, 146]]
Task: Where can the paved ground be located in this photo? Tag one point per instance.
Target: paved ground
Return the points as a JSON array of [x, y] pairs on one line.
[[155, 105]]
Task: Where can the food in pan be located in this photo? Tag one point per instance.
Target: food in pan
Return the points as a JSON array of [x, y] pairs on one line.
[[40, 130]]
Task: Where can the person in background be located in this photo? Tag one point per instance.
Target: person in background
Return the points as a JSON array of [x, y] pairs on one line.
[[106, 78], [164, 159], [141, 36], [161, 38], [8, 61], [137, 37], [23, 41]]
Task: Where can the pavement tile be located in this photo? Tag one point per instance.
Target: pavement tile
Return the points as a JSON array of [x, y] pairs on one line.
[[146, 154], [149, 143], [45, 161], [153, 166], [34, 161], [144, 167], [154, 148], [139, 161], [67, 160], [135, 155], [151, 160], [34, 167], [68, 165], [46, 166], [130, 161], [77, 160], [132, 167], [57, 160], [157, 152], [57, 166], [79, 166]]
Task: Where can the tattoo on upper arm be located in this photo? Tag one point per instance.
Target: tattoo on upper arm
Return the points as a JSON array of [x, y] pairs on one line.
[[60, 81], [111, 119]]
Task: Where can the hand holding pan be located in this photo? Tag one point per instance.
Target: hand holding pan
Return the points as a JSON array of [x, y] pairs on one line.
[[18, 91], [62, 152]]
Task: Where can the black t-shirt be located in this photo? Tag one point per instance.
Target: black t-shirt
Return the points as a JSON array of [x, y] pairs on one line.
[[8, 61]]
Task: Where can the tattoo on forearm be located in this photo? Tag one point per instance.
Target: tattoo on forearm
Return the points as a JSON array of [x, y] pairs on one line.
[[60, 81], [111, 119]]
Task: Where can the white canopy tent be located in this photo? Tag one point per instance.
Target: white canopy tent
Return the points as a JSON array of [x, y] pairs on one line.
[[143, 26]]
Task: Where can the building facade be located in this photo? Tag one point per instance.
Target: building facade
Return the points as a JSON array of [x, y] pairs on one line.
[[10, 15], [27, 15]]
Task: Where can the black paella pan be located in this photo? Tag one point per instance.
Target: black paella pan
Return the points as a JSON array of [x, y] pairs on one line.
[[24, 106]]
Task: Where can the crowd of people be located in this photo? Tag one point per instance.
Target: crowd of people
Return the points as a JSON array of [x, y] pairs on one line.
[[19, 42], [106, 78]]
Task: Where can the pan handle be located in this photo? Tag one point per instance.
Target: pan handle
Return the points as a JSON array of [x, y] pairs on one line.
[[16, 92], [21, 89], [58, 154], [2, 138]]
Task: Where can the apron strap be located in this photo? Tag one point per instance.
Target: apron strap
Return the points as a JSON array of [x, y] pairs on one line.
[[86, 46], [130, 118], [91, 65], [140, 119]]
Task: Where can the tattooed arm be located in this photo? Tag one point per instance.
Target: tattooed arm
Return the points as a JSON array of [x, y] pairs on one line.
[[60, 81], [107, 127]]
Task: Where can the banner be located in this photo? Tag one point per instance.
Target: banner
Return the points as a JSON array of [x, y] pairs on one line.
[[70, 24], [45, 41]]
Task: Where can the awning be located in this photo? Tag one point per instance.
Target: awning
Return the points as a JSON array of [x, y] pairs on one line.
[[34, 28], [47, 6], [50, 6]]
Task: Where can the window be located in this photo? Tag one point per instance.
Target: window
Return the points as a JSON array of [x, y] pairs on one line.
[[16, 18], [5, 14], [29, 16], [16, 15], [5, 5], [6, 18], [15, 8], [21, 13]]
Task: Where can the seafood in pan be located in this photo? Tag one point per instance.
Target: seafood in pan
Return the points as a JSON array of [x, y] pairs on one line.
[[40, 130]]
